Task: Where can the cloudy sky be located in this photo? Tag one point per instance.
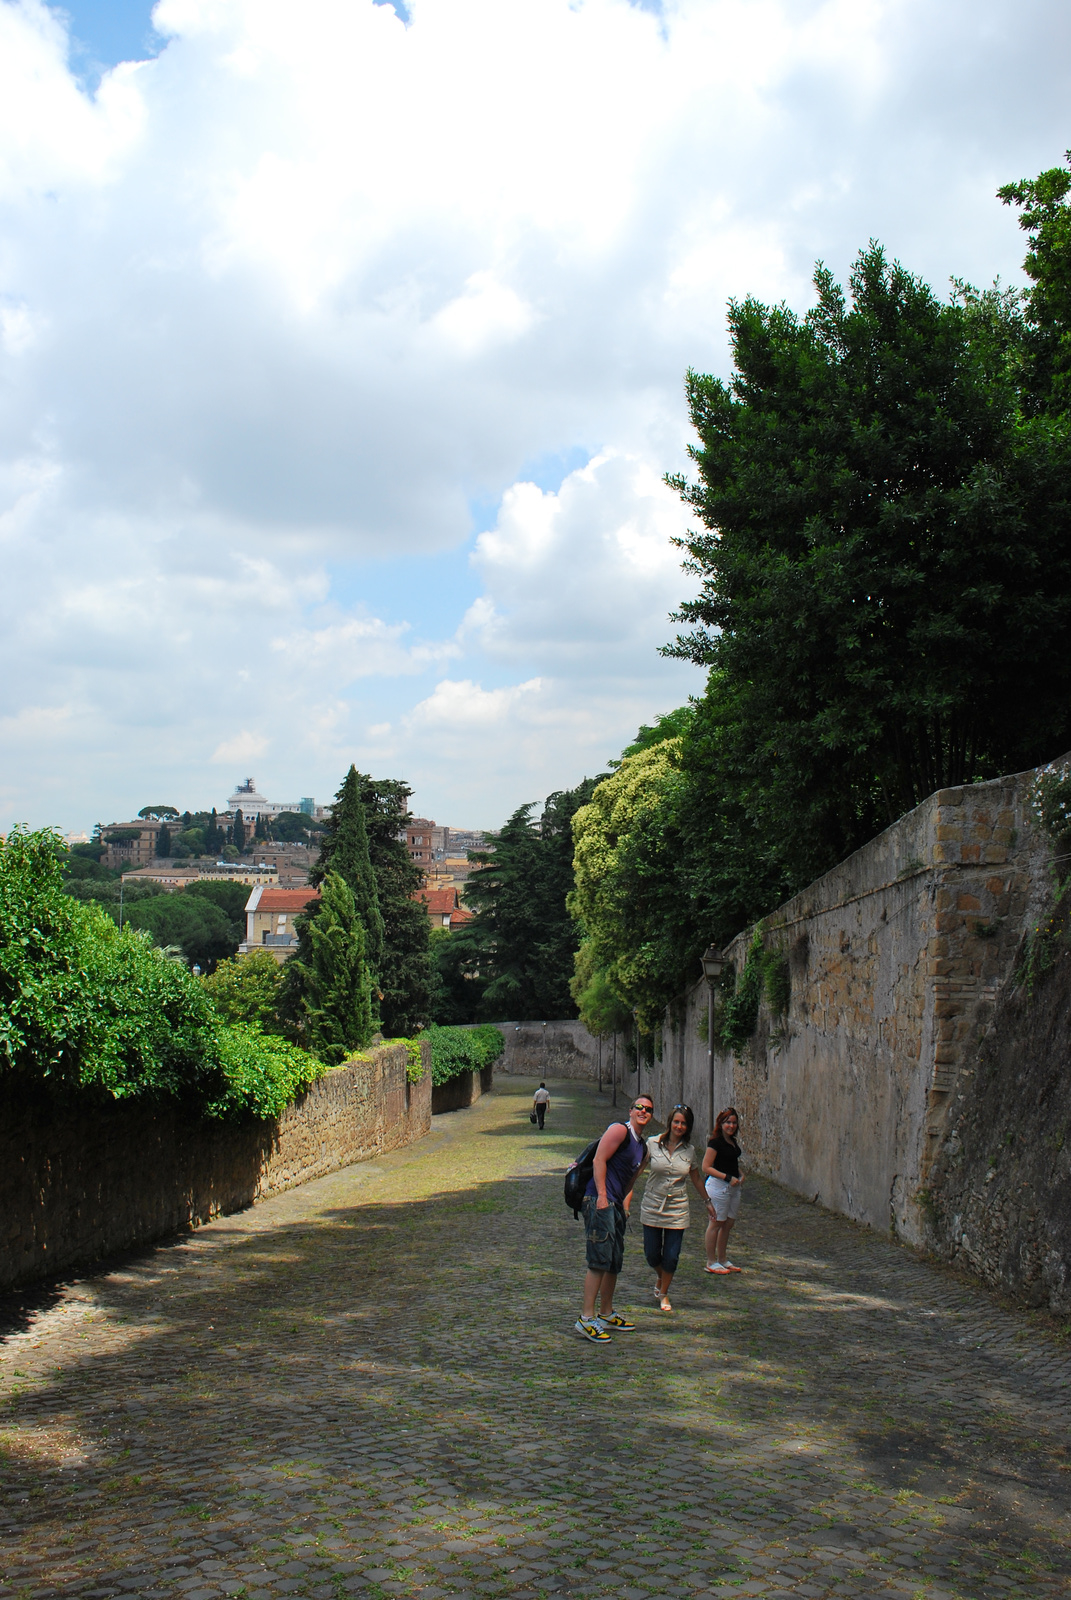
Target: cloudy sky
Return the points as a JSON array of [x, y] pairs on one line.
[[342, 347]]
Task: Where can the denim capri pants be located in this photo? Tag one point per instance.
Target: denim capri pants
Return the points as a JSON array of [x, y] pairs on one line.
[[662, 1247]]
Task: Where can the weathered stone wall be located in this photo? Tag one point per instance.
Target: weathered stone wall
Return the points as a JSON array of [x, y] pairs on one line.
[[80, 1183], [998, 1199], [898, 959], [553, 1050], [462, 1090]]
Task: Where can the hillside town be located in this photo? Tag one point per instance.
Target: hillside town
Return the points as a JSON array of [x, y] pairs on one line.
[[269, 847]]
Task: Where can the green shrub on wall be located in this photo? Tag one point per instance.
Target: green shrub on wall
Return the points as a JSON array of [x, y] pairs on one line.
[[87, 1008], [765, 976], [457, 1050]]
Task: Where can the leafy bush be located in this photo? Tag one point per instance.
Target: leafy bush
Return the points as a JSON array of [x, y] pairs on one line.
[[457, 1050], [765, 975], [246, 988], [262, 1073], [88, 1008]]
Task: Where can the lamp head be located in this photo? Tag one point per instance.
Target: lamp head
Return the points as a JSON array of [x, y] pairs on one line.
[[714, 964]]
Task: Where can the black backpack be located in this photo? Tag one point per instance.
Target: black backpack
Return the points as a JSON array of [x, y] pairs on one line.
[[579, 1175]]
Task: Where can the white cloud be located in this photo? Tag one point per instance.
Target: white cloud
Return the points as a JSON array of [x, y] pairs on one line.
[[584, 577], [464, 705], [244, 746], [360, 647], [278, 306]]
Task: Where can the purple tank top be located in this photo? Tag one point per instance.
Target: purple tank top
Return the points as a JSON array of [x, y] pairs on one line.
[[625, 1161]]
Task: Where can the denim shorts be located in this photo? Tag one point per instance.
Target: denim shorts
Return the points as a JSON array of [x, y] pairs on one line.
[[605, 1231]]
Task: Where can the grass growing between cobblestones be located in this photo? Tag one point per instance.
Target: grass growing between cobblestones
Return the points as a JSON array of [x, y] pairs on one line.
[[369, 1387]]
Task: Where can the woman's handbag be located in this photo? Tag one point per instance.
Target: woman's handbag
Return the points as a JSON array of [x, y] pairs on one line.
[[532, 1116]]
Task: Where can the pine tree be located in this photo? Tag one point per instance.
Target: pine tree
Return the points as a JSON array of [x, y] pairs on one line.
[[332, 975], [344, 850]]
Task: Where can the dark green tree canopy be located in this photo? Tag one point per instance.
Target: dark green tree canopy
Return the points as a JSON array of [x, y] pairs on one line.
[[885, 572], [405, 967], [515, 959], [344, 850], [1045, 216]]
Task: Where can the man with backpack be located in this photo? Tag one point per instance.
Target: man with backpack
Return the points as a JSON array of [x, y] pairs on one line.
[[618, 1161]]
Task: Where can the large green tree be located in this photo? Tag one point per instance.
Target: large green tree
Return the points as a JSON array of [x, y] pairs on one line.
[[201, 930], [885, 578], [522, 941]]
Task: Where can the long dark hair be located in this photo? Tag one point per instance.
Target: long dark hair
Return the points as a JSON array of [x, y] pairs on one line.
[[730, 1111], [689, 1116]]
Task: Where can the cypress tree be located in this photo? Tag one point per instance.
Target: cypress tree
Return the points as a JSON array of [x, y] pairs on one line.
[[333, 975], [405, 974], [163, 842], [344, 850], [238, 832]]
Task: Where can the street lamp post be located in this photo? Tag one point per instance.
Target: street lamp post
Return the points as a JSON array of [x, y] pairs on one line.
[[636, 1037], [714, 964]]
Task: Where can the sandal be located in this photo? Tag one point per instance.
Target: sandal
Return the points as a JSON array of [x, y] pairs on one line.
[[664, 1304]]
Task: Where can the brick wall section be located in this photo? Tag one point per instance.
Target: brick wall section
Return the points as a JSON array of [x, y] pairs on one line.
[[81, 1183], [897, 959]]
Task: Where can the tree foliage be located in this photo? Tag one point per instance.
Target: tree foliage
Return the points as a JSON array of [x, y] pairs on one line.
[[457, 1050], [885, 599], [626, 865], [247, 989], [89, 1009], [200, 929], [515, 958], [333, 976], [344, 850], [405, 965], [1045, 216]]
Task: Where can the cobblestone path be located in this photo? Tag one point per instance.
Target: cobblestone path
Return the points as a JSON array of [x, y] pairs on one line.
[[370, 1387]]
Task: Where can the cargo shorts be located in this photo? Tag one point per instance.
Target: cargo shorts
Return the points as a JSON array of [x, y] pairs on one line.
[[605, 1235]]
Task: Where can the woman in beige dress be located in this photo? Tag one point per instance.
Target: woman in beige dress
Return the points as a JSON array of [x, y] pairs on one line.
[[664, 1212]]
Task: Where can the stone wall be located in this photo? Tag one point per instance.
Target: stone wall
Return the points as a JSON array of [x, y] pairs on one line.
[[462, 1090], [998, 1197], [83, 1182], [553, 1050], [898, 960]]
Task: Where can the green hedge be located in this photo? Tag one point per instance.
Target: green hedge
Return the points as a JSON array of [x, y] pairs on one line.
[[456, 1050], [88, 1009]]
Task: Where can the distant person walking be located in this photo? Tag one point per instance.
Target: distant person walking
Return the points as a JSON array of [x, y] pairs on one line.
[[721, 1165], [541, 1104], [664, 1213], [619, 1159]]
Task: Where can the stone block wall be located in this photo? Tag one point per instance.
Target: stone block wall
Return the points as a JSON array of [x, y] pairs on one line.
[[897, 960], [79, 1183], [553, 1050]]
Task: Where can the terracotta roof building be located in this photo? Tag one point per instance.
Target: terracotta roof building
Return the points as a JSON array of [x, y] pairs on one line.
[[269, 919], [440, 904]]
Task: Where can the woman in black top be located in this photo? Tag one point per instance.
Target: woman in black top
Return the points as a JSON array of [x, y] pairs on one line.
[[721, 1169]]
